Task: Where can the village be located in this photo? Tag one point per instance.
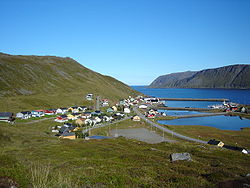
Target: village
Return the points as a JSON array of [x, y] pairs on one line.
[[75, 122]]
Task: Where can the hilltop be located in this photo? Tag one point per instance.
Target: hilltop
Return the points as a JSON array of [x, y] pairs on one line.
[[28, 82], [233, 77]]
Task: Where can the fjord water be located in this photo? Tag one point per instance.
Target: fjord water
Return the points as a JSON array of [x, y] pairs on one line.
[[241, 96], [221, 122]]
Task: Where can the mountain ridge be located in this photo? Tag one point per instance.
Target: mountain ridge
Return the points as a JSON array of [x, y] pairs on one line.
[[228, 77]]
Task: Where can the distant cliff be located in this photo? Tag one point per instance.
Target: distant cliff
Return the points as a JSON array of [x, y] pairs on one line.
[[233, 76]]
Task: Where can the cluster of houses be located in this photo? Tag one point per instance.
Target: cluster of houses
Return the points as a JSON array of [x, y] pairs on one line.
[[227, 106], [82, 117], [41, 113], [153, 113], [67, 130], [75, 112]]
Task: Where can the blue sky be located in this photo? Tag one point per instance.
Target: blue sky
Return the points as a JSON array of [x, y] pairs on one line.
[[134, 41]]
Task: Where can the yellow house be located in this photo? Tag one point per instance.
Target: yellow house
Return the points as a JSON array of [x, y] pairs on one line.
[[216, 142], [73, 109], [220, 144], [136, 118], [76, 129], [67, 135], [70, 116]]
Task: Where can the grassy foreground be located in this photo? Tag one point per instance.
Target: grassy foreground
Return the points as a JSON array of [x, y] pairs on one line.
[[32, 157], [235, 138]]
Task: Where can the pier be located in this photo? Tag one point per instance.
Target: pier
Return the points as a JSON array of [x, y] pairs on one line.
[[201, 115], [186, 109], [192, 99]]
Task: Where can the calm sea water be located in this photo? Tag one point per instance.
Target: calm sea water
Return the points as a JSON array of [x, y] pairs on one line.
[[221, 122], [234, 95]]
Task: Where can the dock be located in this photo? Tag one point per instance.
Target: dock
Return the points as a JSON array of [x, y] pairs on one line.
[[193, 99], [202, 115], [185, 109]]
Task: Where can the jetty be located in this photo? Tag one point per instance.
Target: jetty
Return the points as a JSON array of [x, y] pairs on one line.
[[193, 99], [201, 115], [185, 109]]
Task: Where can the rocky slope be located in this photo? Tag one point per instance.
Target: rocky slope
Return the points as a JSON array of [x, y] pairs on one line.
[[233, 76]]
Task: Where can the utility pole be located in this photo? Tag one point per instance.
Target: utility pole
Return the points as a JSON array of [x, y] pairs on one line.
[[97, 102]]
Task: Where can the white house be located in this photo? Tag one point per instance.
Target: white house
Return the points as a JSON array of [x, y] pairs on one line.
[[23, 115], [89, 97], [98, 120], [61, 110], [127, 110], [88, 122], [143, 106]]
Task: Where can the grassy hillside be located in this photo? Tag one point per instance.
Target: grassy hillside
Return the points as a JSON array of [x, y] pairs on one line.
[[32, 157], [29, 82]]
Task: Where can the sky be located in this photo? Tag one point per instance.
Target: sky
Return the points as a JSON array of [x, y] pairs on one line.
[[134, 41]]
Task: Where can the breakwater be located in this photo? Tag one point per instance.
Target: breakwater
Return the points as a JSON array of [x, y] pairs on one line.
[[201, 115], [187, 108], [192, 99]]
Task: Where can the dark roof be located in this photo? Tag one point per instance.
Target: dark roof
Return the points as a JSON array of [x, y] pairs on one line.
[[71, 128], [74, 114], [63, 129], [68, 134], [25, 112], [69, 124], [86, 112], [213, 142], [6, 114], [63, 116], [64, 108], [233, 148]]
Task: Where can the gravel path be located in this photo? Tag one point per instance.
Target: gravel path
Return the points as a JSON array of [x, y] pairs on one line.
[[141, 134]]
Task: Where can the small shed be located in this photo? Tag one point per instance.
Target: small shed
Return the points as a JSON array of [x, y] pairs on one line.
[[216, 143]]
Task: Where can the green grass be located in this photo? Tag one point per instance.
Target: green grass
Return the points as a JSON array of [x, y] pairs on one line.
[[240, 138], [43, 82], [35, 157]]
